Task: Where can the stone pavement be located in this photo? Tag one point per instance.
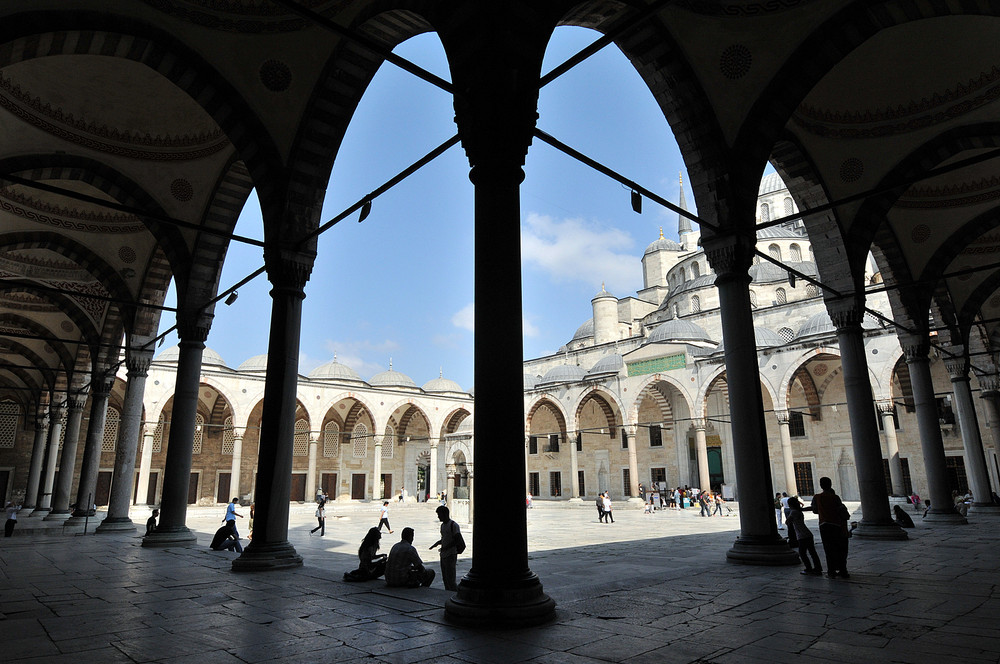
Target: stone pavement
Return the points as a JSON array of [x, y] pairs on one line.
[[649, 588]]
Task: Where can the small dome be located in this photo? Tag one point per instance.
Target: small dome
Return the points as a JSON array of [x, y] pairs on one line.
[[466, 426], [530, 381], [208, 356], [391, 378], [584, 331], [255, 363], [442, 384], [764, 337], [564, 373], [770, 183], [603, 295], [818, 324], [334, 370], [662, 244], [790, 230], [608, 364], [698, 283], [678, 330]]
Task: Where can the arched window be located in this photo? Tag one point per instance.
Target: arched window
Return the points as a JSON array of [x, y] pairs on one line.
[[812, 290], [360, 439], [300, 446], [753, 299], [789, 206], [228, 439], [160, 434], [110, 430], [199, 433], [695, 304], [787, 334], [331, 440], [765, 212], [10, 415], [780, 296], [683, 276], [695, 270], [388, 442], [775, 252], [796, 253]]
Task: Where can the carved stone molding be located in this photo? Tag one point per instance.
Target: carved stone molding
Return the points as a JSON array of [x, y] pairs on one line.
[[957, 367], [137, 361], [846, 313], [783, 416], [915, 347], [885, 406], [193, 325], [730, 255]]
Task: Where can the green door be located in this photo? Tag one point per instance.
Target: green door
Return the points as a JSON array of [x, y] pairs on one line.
[[715, 475]]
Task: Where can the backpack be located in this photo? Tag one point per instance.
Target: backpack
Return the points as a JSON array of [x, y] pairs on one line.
[[459, 540]]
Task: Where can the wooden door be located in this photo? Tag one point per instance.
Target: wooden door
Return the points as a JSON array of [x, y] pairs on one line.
[[358, 486], [222, 490], [193, 489], [386, 487], [298, 491], [328, 482], [4, 485], [103, 492], [154, 478]]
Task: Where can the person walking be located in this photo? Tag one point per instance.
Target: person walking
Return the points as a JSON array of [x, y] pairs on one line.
[[600, 508], [703, 499], [384, 517], [12, 510], [803, 538], [718, 505], [607, 508], [451, 541], [231, 515], [833, 516], [321, 518], [778, 511]]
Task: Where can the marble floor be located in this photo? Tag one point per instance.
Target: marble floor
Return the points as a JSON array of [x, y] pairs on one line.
[[648, 588]]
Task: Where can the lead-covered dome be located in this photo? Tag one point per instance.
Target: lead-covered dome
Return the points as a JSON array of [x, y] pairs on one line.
[[678, 330], [208, 356], [391, 378], [564, 373], [662, 244], [530, 381], [608, 364], [334, 370], [584, 331], [817, 324], [254, 364], [442, 384]]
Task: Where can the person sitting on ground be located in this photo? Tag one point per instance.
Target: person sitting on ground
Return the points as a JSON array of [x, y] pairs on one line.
[[927, 506], [371, 562], [226, 539], [151, 522], [404, 569], [902, 518]]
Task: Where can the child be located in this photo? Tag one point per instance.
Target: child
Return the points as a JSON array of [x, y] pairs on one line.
[[797, 525]]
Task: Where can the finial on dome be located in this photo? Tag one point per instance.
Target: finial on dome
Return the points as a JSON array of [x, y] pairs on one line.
[[390, 364], [661, 232], [334, 356], [602, 288], [441, 372], [680, 177]]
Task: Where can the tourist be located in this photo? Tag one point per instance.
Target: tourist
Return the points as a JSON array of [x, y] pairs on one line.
[[404, 569], [8, 526], [777, 510], [799, 533], [527, 502], [902, 518], [833, 516], [718, 505], [384, 517], [231, 515], [452, 543], [321, 518], [151, 522], [371, 563], [606, 504], [600, 507], [226, 538]]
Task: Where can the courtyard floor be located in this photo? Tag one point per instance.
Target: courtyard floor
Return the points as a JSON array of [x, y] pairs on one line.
[[648, 588]]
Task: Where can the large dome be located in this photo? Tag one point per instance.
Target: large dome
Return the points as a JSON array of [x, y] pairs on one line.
[[564, 373], [334, 370], [678, 330], [255, 363], [770, 183], [766, 272], [442, 384], [208, 356], [391, 378], [584, 331]]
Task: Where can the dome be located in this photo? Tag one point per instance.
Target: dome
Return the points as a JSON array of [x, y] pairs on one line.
[[678, 330], [704, 281], [764, 337], [442, 384], [564, 373], [603, 295], [391, 378], [530, 381], [255, 363], [465, 426], [608, 364], [208, 356], [662, 244], [771, 183], [584, 331], [790, 230], [818, 324], [334, 370]]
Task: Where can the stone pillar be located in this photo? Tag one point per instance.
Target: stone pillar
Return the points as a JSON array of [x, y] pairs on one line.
[[145, 466], [311, 469], [67, 462], [787, 458], [701, 449], [237, 469], [377, 470], [192, 328], [758, 542], [137, 359], [876, 521], [633, 464], [37, 457], [288, 269], [991, 402], [972, 442], [574, 467], [886, 409], [52, 456], [942, 509], [433, 480], [100, 389]]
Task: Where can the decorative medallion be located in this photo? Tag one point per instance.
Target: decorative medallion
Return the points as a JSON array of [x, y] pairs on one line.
[[819, 369], [126, 254], [66, 326], [735, 61], [852, 169], [182, 190], [275, 75], [967, 275], [920, 233]]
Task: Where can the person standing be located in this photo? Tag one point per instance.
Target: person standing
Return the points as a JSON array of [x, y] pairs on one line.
[[600, 508], [777, 511], [8, 526], [833, 531], [607, 508], [384, 517], [642, 492], [804, 538], [231, 515], [321, 518], [450, 534]]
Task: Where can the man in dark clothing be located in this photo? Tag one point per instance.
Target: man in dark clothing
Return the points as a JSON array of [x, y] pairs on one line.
[[833, 531], [404, 568], [226, 539], [151, 522], [600, 508]]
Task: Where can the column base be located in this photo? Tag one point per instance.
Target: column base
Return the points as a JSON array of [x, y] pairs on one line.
[[749, 551], [263, 557], [75, 520], [947, 517], [177, 537], [636, 502], [57, 516], [39, 512], [985, 509], [515, 603], [116, 525], [880, 531], [575, 500]]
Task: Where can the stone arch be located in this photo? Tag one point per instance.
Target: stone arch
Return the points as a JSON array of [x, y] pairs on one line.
[[11, 320], [547, 401]]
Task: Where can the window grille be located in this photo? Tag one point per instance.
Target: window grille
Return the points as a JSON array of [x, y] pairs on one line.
[[787, 334], [555, 484], [655, 436], [300, 446], [695, 304], [388, 443], [532, 444], [110, 430], [360, 438], [695, 270], [228, 439], [812, 290], [796, 253], [10, 412], [199, 433], [781, 296], [789, 206], [804, 478], [753, 299], [581, 482], [626, 483], [159, 435], [765, 212], [533, 484], [796, 424], [774, 251], [331, 440]]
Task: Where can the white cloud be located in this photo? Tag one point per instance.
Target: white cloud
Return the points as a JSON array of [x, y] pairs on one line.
[[465, 318], [579, 250], [528, 328], [365, 357]]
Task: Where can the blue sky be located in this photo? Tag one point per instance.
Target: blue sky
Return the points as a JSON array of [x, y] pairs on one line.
[[400, 285]]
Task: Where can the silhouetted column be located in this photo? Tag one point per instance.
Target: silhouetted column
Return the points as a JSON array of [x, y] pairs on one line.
[[887, 409], [701, 449], [876, 521], [972, 443], [990, 395], [137, 359], [288, 270], [237, 467], [172, 529], [574, 466], [942, 509], [100, 389], [787, 459], [37, 458], [67, 461], [758, 542], [142, 496], [51, 457]]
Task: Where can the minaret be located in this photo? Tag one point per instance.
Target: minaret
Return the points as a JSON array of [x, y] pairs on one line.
[[687, 236], [605, 317]]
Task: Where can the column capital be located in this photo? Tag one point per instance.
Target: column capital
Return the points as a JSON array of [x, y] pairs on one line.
[[783, 416], [846, 313], [138, 357], [957, 367], [288, 256], [730, 255], [915, 347], [76, 402], [885, 406], [101, 382], [699, 423], [989, 386]]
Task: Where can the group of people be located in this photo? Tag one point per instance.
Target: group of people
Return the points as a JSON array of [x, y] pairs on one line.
[[604, 510], [403, 567], [833, 530]]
